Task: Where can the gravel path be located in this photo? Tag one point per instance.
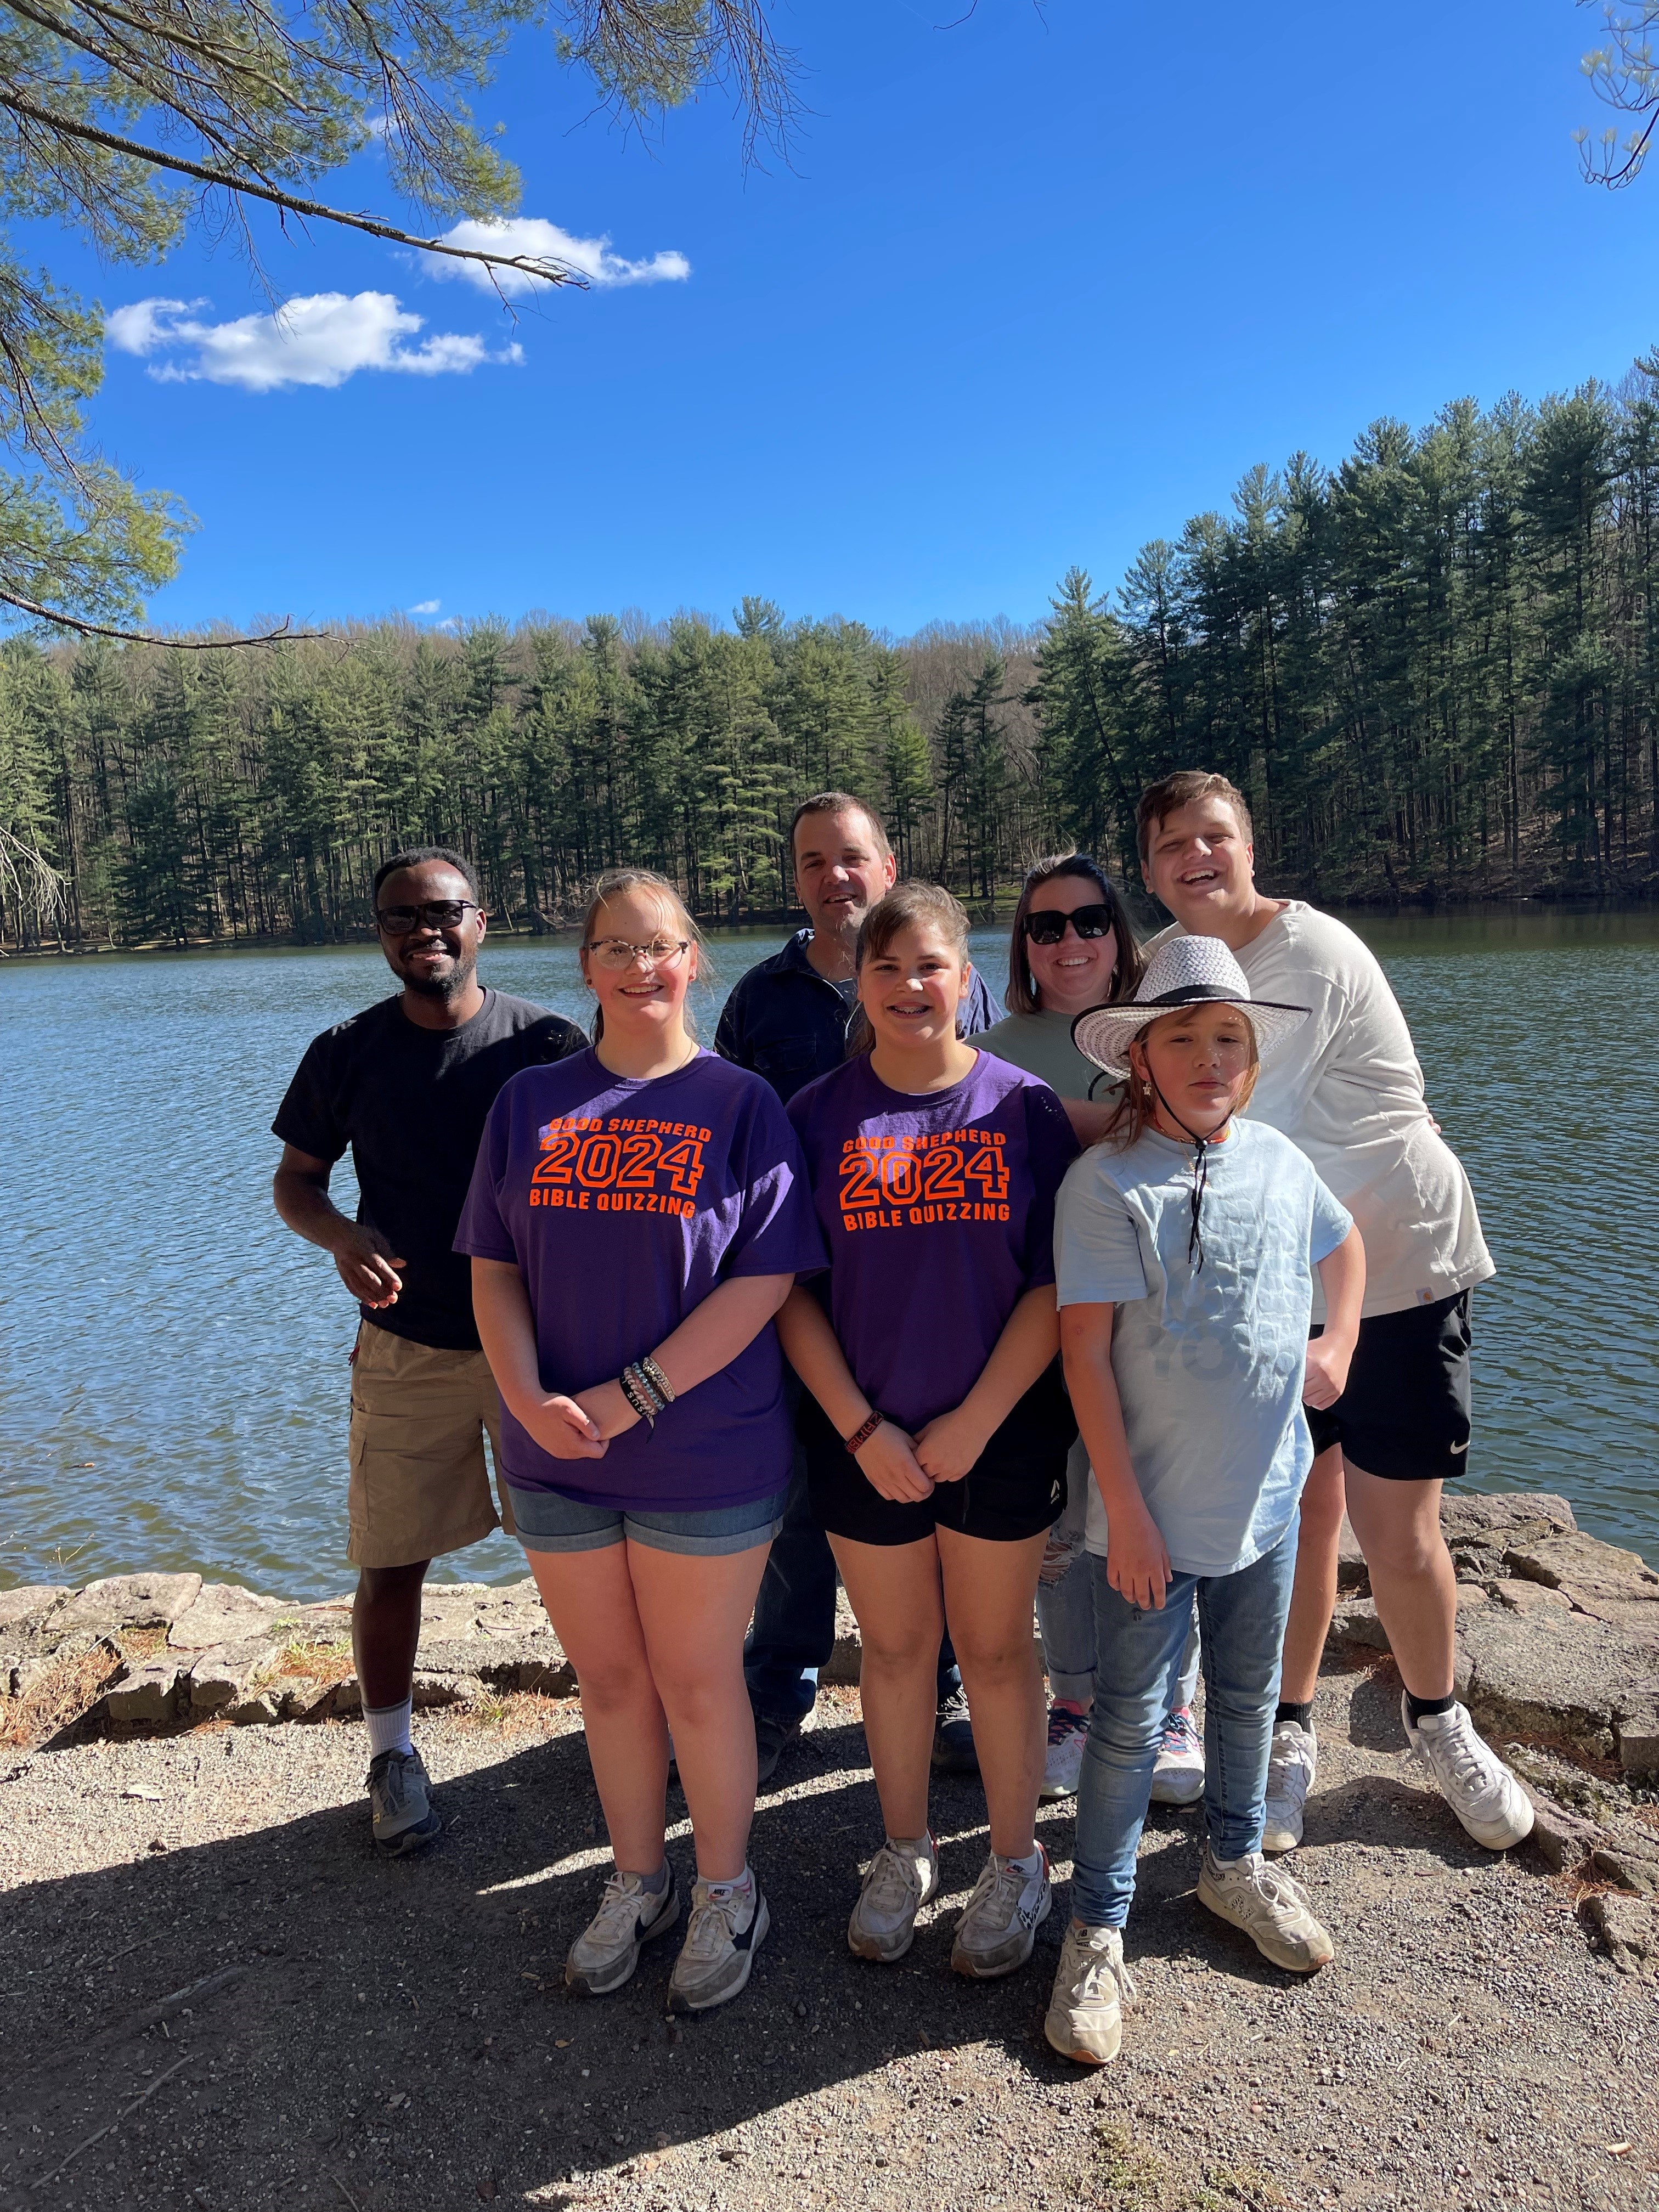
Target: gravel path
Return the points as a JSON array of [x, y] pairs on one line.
[[199, 1946]]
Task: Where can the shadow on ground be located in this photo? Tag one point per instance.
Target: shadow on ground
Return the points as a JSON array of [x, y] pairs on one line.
[[334, 1982]]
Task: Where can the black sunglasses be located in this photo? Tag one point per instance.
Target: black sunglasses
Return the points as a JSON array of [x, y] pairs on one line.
[[1048, 928], [436, 914]]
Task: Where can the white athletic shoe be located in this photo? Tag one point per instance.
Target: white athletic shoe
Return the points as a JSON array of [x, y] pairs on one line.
[[1178, 1777], [1085, 2019], [1000, 1923], [1470, 1776], [1271, 1908], [899, 1881], [726, 1928], [1291, 1765], [1063, 1766], [605, 1954]]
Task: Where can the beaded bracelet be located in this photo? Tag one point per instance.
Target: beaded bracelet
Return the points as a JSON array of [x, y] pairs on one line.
[[642, 1384], [863, 1433], [659, 1381], [638, 1397]]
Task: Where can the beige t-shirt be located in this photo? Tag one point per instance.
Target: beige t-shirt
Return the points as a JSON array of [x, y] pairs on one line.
[[1347, 1088]]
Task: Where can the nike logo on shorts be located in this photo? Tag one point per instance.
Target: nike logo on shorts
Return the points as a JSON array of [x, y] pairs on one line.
[[1463, 1447]]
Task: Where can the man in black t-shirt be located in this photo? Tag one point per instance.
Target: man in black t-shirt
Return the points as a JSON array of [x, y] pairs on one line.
[[408, 1085]]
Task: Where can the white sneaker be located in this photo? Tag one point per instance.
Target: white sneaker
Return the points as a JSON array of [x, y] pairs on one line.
[[899, 1881], [1062, 1767], [1178, 1777], [1291, 1765], [1000, 1923], [1272, 1910], [726, 1928], [1470, 1776], [1085, 2019], [604, 1956]]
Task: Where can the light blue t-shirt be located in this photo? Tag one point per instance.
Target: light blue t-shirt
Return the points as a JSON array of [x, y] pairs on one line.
[[1208, 1364]]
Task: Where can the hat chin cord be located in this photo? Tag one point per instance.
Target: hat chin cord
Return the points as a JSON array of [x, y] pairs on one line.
[[1200, 1168]]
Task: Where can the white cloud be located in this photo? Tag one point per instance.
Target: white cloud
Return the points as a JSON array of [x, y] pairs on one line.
[[426, 606], [541, 240], [321, 339]]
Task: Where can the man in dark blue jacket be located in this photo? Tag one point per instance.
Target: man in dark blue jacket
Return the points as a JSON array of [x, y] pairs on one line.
[[786, 1019]]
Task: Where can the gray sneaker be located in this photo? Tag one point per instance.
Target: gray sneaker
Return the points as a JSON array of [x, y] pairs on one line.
[[1271, 1908], [727, 1929], [605, 1954], [900, 1879], [1084, 2019], [1000, 1922], [1291, 1764], [400, 1804], [1470, 1776]]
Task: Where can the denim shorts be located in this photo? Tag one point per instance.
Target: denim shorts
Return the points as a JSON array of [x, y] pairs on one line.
[[547, 1520]]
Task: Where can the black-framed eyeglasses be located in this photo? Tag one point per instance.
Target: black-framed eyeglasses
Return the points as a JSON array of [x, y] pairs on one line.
[[1048, 928], [436, 914]]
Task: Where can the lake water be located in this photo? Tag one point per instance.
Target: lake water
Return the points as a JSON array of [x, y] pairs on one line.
[[174, 1380]]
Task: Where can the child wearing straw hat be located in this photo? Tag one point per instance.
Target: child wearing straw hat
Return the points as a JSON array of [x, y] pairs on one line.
[[1186, 1243]]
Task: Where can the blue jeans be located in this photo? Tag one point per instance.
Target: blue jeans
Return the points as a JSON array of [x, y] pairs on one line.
[[793, 1631], [1242, 1618], [1065, 1608]]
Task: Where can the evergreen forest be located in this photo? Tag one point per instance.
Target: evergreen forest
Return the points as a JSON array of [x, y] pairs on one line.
[[1435, 669]]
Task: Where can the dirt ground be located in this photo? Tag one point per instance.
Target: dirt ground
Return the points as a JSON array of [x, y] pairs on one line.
[[214, 1995]]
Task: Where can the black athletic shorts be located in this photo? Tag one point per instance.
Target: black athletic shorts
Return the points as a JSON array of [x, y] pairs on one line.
[[1015, 1489], [1405, 1414]]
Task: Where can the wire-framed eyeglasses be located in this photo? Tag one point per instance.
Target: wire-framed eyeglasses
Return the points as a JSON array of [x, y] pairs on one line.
[[617, 952]]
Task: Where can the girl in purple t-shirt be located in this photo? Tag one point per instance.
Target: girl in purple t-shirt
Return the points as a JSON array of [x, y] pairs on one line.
[[637, 1216], [937, 1428]]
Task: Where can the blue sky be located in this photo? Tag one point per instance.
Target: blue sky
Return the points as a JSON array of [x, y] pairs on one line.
[[1038, 286]]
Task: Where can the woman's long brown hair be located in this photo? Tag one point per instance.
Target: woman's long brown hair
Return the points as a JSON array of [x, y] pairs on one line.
[[1126, 980]]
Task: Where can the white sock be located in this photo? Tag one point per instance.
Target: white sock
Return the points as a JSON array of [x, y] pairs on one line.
[[741, 1883], [388, 1728], [1030, 1866]]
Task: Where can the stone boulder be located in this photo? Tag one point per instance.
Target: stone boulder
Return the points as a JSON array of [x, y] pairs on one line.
[[220, 1676], [1479, 1527], [1477, 1516], [41, 1646], [1625, 1927], [149, 1692], [30, 1604], [1554, 1675], [224, 1613], [1613, 1584], [135, 1601]]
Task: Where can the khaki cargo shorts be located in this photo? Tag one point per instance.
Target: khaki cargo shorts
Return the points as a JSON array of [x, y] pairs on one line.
[[419, 1483]]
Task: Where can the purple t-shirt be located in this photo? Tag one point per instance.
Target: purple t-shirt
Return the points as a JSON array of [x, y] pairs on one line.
[[624, 1205], [939, 1209]]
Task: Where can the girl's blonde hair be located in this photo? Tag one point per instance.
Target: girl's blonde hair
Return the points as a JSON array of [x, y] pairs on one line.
[[906, 905], [617, 883], [1133, 1112]]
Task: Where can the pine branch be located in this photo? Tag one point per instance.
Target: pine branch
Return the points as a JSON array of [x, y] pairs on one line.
[[522, 265], [283, 634]]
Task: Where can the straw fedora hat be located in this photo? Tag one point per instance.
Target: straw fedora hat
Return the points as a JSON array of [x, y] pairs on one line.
[[1184, 971]]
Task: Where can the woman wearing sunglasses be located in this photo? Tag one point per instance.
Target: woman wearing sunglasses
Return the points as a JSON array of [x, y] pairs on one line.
[[1071, 949], [638, 1214]]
